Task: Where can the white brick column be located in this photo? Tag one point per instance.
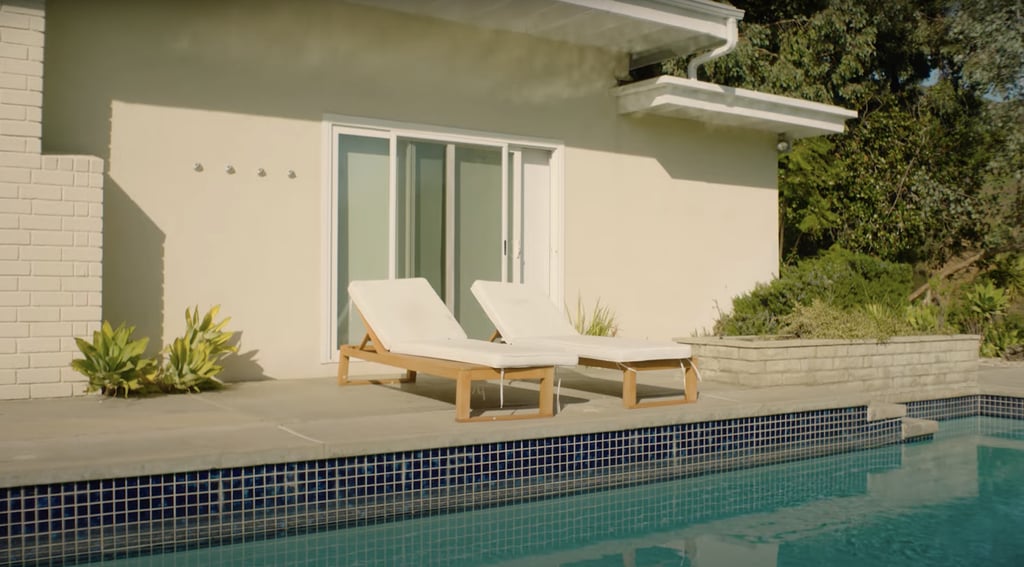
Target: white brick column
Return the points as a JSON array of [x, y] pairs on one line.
[[51, 226]]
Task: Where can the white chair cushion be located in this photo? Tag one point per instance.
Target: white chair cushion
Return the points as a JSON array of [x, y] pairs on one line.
[[493, 355], [612, 349], [519, 311], [526, 317], [404, 310]]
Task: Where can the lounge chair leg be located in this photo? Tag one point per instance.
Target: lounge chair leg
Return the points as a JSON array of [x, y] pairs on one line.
[[546, 386], [463, 393], [629, 388], [690, 381], [342, 370], [410, 376]]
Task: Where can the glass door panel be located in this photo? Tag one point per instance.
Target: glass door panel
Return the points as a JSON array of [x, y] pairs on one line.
[[478, 235], [421, 204], [362, 247]]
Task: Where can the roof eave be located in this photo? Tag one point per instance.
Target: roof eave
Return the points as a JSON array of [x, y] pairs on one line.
[[713, 104]]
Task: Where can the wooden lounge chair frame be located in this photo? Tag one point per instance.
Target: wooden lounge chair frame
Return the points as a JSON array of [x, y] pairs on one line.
[[463, 373], [629, 377]]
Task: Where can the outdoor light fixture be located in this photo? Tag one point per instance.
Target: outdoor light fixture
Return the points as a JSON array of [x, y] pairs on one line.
[[783, 145]]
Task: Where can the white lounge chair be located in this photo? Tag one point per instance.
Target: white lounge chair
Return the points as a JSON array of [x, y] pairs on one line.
[[526, 317], [409, 327]]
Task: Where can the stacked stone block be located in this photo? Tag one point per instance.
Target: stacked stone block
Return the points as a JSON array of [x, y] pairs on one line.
[[901, 363], [51, 227]]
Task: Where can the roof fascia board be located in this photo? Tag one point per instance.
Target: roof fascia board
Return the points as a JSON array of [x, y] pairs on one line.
[[675, 14], [714, 9]]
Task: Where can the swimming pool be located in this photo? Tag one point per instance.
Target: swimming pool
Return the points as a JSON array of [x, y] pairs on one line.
[[955, 500]]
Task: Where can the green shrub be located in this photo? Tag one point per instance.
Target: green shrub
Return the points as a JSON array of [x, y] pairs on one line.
[[889, 321], [192, 359], [838, 277], [923, 318], [821, 320], [1008, 273], [999, 338], [114, 363], [600, 323]]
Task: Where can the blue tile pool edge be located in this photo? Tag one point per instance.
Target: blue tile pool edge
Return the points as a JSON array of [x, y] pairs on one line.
[[82, 521]]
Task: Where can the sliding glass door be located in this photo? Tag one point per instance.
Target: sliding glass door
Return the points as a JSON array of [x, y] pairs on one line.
[[449, 211]]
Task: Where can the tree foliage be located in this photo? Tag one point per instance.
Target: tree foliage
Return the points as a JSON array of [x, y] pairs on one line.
[[931, 167]]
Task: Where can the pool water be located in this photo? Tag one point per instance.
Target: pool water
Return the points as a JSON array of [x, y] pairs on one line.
[[955, 500]]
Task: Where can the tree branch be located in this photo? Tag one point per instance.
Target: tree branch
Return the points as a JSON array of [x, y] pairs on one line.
[[948, 271]]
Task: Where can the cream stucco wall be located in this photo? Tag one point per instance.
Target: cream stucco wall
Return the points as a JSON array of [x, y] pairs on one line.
[[663, 217]]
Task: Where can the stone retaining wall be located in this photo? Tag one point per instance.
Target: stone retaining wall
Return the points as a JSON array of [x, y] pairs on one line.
[[900, 363]]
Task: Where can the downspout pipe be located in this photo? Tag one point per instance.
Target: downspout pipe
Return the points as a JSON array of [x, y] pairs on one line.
[[732, 36]]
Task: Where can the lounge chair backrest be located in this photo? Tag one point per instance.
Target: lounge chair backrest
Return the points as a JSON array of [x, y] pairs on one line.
[[404, 310], [520, 311]]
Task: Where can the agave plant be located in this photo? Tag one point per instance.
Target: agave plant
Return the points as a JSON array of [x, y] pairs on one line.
[[113, 361], [190, 366], [192, 359], [206, 331], [987, 301]]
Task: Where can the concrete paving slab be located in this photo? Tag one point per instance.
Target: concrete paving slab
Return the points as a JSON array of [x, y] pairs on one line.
[[1003, 379], [142, 452]]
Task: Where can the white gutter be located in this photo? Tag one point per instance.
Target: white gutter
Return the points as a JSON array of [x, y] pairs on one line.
[[732, 36]]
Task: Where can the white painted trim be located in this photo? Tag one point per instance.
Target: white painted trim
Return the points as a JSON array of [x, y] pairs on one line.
[[716, 9], [329, 234], [411, 200], [557, 273], [674, 14], [517, 216], [328, 255], [505, 238], [440, 133], [392, 206], [449, 225]]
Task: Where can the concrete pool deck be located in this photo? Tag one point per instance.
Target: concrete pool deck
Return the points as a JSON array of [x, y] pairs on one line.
[[70, 439]]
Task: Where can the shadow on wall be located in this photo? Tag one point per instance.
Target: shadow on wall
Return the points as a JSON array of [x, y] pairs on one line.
[[133, 267], [702, 152], [242, 367], [287, 60]]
